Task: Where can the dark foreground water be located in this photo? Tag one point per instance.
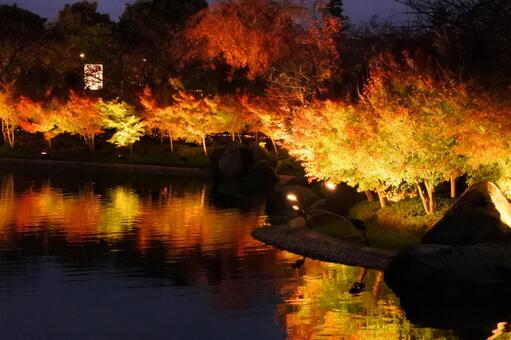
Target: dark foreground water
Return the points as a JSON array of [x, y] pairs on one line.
[[91, 256]]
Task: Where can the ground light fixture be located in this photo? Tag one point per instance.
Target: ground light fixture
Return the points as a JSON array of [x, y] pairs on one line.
[[331, 186], [306, 213]]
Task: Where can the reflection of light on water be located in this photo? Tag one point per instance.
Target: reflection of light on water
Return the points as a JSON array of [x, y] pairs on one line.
[[317, 304], [120, 213], [185, 220], [212, 249]]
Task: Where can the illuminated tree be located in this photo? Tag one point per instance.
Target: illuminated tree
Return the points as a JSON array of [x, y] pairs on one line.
[[414, 115], [81, 116], [270, 119], [38, 118], [120, 116], [8, 114], [285, 41], [164, 119]]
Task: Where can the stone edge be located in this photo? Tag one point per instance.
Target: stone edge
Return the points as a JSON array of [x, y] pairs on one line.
[[314, 245]]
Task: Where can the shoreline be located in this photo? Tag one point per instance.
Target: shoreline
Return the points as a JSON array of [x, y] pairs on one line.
[[112, 167], [300, 240]]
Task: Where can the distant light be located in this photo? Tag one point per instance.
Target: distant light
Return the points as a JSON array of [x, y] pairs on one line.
[[82, 55], [295, 207], [43, 153], [331, 186], [144, 60], [292, 198], [262, 144]]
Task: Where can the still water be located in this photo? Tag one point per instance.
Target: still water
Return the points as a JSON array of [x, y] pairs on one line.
[[91, 256]]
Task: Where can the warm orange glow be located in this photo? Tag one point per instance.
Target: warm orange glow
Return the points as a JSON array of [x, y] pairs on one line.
[[330, 186], [292, 197]]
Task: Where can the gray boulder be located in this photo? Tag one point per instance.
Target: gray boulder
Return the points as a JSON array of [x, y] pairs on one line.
[[261, 172], [450, 271], [482, 214], [235, 161]]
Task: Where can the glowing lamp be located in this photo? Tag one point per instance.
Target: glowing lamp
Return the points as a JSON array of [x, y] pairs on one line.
[[292, 198], [295, 207], [93, 76], [82, 55], [331, 186]]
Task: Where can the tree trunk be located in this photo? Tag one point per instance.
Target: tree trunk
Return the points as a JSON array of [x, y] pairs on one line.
[[381, 197], [274, 147], [239, 139], [431, 192], [8, 133], [171, 142], [204, 147], [423, 198], [453, 186], [257, 136], [3, 132], [161, 137], [233, 135], [369, 195]]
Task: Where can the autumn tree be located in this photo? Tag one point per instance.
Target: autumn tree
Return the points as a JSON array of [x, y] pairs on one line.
[[41, 118], [121, 117], [81, 116], [414, 116], [161, 118], [289, 45], [8, 114]]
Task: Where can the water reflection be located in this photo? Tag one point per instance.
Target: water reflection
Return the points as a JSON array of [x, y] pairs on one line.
[[93, 256]]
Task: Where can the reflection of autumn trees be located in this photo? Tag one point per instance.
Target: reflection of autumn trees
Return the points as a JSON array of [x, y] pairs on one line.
[[171, 232], [318, 305], [183, 219]]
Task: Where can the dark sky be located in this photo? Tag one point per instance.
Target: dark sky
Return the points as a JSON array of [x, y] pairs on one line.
[[358, 10]]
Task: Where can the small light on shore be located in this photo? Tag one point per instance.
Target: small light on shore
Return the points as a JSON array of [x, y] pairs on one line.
[[43, 153], [292, 198], [295, 207], [331, 186], [82, 55]]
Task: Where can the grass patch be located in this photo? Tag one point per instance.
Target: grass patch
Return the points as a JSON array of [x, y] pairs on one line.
[[378, 237], [67, 148], [399, 225]]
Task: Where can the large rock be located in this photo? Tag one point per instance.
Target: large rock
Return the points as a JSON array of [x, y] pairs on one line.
[[261, 172], [481, 214], [450, 271], [235, 161]]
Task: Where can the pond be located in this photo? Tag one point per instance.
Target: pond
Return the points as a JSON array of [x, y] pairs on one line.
[[97, 256]]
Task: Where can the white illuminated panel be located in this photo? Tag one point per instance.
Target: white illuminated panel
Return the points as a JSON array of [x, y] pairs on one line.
[[93, 76]]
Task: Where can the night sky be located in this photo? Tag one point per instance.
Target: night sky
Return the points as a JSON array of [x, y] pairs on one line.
[[358, 10]]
